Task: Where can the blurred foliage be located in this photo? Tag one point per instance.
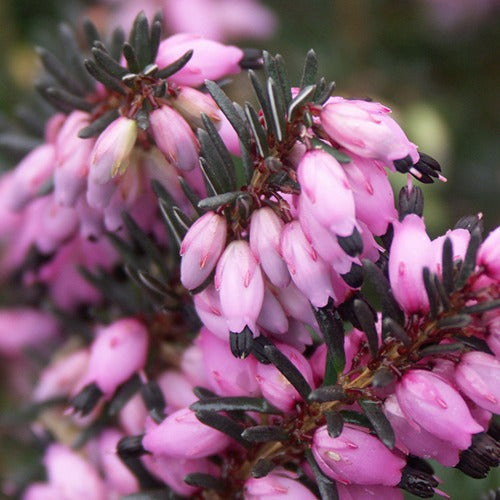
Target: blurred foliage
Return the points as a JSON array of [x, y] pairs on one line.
[[441, 81]]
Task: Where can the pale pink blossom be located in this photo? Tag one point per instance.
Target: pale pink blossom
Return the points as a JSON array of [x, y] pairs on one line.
[[280, 484], [488, 255]]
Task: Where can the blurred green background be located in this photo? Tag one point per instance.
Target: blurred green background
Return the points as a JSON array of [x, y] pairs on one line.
[[437, 68]]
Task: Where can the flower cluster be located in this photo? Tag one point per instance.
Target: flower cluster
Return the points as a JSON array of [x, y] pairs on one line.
[[263, 321]]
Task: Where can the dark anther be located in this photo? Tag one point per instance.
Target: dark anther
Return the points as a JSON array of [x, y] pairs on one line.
[[404, 164], [419, 483], [483, 455], [353, 244], [258, 349], [85, 401], [130, 447], [241, 343], [470, 222], [154, 400], [252, 59], [428, 167], [354, 277], [411, 201]]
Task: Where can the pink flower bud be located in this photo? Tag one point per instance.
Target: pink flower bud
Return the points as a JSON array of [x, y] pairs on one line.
[[350, 458], [191, 103], [117, 353], [488, 255], [173, 470], [174, 137], [211, 60], [227, 375], [110, 155], [72, 159], [431, 403], [373, 194], [207, 304], [272, 317], [295, 304], [241, 286], [366, 129], [416, 440], [265, 231], [309, 271], [275, 387], [182, 435], [478, 377], [459, 239], [370, 492], [280, 484], [201, 248], [408, 256], [324, 183], [30, 177], [177, 389], [133, 416], [24, 327]]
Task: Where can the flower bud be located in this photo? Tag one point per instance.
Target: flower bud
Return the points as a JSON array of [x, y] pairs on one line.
[[207, 305], [211, 60], [324, 183], [272, 317], [488, 254], [265, 232], [241, 286], [116, 354], [459, 239], [279, 484], [110, 155], [366, 129], [309, 272], [350, 458], [429, 402], [182, 435], [369, 492], [478, 377], [191, 103], [174, 137], [201, 248], [408, 256]]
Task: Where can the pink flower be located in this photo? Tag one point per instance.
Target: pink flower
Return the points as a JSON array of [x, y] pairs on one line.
[[280, 484], [369, 492], [366, 129], [265, 232], [272, 317], [488, 255], [408, 256], [110, 155], [309, 271], [174, 138], [241, 286], [211, 60], [191, 103], [478, 377], [177, 389], [459, 239], [207, 305], [117, 353], [416, 440], [429, 402], [201, 248], [350, 458], [182, 435], [324, 183]]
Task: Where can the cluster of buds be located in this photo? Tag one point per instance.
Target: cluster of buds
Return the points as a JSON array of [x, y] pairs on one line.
[[288, 382]]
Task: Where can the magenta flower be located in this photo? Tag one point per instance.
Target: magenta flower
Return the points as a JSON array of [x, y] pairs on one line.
[[429, 402], [272, 317], [201, 248], [349, 458], [409, 254], [280, 484], [238, 278], [488, 255], [459, 239], [207, 305], [478, 377], [366, 129], [368, 492], [182, 435], [211, 60]]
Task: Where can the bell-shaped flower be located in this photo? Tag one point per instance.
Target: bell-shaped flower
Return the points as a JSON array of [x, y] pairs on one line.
[[295, 304], [210, 60], [118, 352], [191, 103], [368, 492], [350, 457], [272, 317], [265, 232], [207, 305], [366, 129], [201, 248], [459, 239], [177, 390], [416, 440], [308, 270], [238, 278], [275, 387], [488, 254], [429, 402], [110, 155], [182, 435], [280, 484], [174, 137], [324, 183], [478, 377], [409, 254]]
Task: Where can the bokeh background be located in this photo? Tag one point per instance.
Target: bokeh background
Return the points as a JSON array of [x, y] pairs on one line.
[[434, 62]]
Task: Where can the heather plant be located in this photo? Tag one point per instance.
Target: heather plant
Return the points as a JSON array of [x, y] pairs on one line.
[[226, 300]]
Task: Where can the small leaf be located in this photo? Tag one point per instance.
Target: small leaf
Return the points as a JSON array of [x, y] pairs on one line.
[[117, 39], [154, 400], [301, 98], [215, 202], [262, 97], [90, 31], [123, 395], [481, 307], [204, 481], [155, 38], [383, 377], [327, 487], [262, 468], [176, 66], [474, 342], [367, 321], [396, 330], [323, 91], [282, 78], [277, 110], [258, 132], [224, 425], [432, 293], [457, 321], [105, 78], [310, 71], [469, 262], [141, 41], [233, 403], [108, 64], [382, 426], [328, 393], [98, 125], [332, 330], [131, 58], [447, 265], [334, 423], [411, 201], [264, 433], [190, 194], [338, 155], [439, 349]]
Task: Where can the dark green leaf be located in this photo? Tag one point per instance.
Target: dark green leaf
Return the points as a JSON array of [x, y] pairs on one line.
[[258, 132], [469, 262], [215, 202], [155, 37], [310, 71], [396, 330], [141, 41], [327, 487], [123, 395], [332, 329], [232, 403], [98, 125], [264, 433], [117, 39], [262, 97], [431, 292], [90, 31], [301, 98], [277, 109], [457, 321], [334, 423], [190, 194], [323, 91], [224, 425], [328, 393], [204, 481], [367, 321], [439, 349], [282, 79], [381, 425], [338, 155], [108, 64], [262, 468], [104, 77], [175, 66], [481, 307], [131, 58], [447, 265]]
